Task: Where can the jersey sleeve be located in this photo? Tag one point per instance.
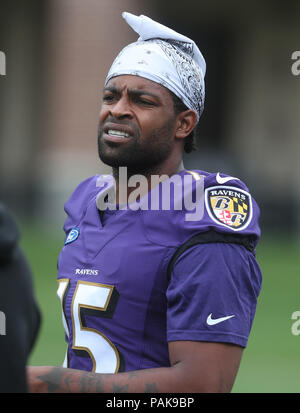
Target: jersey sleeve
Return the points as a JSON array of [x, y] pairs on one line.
[[218, 205], [212, 295]]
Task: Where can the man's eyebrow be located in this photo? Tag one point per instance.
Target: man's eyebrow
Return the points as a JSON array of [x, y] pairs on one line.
[[112, 89], [133, 92], [140, 92]]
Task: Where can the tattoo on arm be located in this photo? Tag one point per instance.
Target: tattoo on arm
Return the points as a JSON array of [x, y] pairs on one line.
[[53, 379], [132, 374], [151, 388], [59, 379], [120, 389]]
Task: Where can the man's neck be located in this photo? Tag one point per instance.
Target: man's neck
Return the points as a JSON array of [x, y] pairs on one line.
[[122, 175]]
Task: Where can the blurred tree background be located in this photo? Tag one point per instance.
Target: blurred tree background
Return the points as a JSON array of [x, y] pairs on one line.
[[57, 55]]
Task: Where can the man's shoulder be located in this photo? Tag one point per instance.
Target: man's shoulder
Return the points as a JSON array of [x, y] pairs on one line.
[[218, 178], [211, 202], [228, 205]]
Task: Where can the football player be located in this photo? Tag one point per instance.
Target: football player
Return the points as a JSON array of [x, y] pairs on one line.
[[154, 298]]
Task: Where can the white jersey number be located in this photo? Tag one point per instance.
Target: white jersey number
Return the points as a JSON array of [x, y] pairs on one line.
[[96, 299]]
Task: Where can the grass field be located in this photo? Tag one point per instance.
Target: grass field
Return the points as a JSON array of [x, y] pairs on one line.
[[270, 362]]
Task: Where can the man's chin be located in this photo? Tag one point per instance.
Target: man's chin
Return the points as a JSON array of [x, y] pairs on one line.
[[114, 160], [111, 154]]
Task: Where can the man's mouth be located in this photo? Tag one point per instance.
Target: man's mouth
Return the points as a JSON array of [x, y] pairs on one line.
[[118, 133]]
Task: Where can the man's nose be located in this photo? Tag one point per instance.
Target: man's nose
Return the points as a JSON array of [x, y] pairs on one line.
[[121, 108]]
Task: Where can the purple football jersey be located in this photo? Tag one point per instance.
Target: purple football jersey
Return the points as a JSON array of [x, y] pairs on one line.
[[133, 279]]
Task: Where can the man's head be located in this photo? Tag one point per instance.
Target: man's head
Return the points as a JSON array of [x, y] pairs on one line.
[[140, 125], [155, 89]]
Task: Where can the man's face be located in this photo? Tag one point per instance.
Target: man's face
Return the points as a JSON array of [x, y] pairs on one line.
[[137, 124]]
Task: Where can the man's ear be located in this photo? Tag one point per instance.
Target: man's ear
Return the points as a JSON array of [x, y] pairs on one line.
[[186, 122]]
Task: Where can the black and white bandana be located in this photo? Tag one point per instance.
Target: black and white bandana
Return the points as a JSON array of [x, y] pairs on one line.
[[165, 57]]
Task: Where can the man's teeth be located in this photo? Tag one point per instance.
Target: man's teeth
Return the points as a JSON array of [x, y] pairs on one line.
[[118, 133]]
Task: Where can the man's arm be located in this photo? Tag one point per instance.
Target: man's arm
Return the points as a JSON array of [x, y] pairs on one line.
[[196, 367]]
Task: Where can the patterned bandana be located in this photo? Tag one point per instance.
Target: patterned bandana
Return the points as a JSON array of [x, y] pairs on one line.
[[165, 57]]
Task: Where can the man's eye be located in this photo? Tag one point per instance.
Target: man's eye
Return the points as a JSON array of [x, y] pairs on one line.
[[145, 102], [108, 98]]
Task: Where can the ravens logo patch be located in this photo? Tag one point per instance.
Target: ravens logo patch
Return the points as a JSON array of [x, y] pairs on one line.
[[229, 206]]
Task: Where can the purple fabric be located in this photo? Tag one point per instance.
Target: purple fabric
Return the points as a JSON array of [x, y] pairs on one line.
[[128, 253]]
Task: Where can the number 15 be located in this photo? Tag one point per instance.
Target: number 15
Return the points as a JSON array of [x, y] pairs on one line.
[[97, 300]]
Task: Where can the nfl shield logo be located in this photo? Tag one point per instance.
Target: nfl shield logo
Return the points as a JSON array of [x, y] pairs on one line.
[[229, 206], [72, 236]]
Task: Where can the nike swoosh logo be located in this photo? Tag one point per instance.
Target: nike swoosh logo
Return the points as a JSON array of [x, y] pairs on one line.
[[212, 321], [222, 181]]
